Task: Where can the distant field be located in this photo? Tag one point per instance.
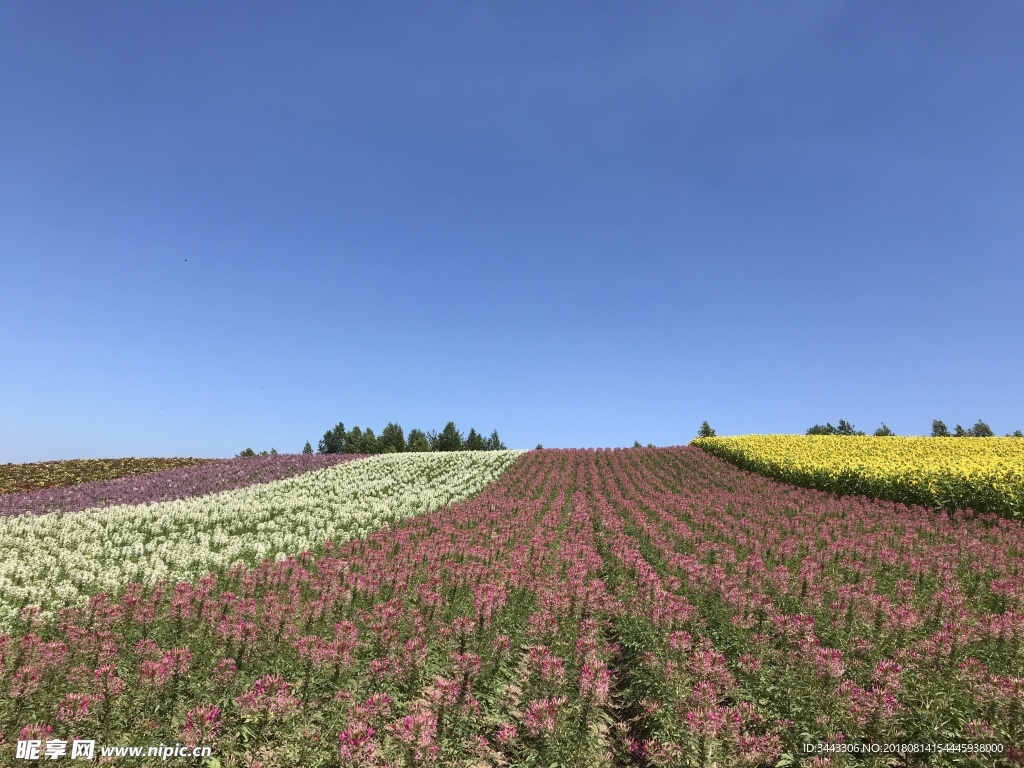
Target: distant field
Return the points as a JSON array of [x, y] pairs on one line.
[[15, 478], [983, 474], [181, 482]]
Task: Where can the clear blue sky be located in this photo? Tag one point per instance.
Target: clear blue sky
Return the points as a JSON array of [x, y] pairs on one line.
[[234, 224]]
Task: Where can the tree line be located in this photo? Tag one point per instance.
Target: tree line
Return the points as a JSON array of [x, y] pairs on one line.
[[392, 439], [939, 429]]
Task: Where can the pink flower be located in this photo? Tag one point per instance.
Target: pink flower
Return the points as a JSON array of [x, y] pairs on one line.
[[828, 663], [76, 706], [467, 664], [595, 681], [377, 706], [680, 643], [152, 674], [26, 681], [418, 732], [269, 694], [147, 649], [177, 661], [224, 672], [501, 645], [550, 668], [887, 674], [355, 745], [488, 599], [542, 714], [40, 731], [202, 724], [444, 692], [506, 733], [750, 663], [705, 722]]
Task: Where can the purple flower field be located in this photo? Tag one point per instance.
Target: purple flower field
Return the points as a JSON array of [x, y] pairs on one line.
[[169, 484]]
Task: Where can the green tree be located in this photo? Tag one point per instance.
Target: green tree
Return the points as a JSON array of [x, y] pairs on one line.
[[307, 448], [418, 441], [817, 429], [368, 442], [539, 447], [353, 440], [705, 430], [248, 452], [884, 431], [449, 440], [1016, 433], [636, 444], [960, 432], [846, 428], [334, 440], [475, 441], [981, 429], [494, 442], [392, 439], [939, 429]]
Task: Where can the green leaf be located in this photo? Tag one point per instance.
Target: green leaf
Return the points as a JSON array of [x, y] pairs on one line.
[[786, 759]]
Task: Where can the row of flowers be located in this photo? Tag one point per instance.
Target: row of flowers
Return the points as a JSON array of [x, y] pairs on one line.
[[58, 559], [588, 608], [986, 475], [146, 481]]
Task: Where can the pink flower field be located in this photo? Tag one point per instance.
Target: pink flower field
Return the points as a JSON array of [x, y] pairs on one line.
[[644, 607]]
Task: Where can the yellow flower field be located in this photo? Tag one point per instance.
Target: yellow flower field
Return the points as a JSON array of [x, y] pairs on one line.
[[985, 474]]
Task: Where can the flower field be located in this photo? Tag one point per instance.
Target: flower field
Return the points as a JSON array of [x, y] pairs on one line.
[[181, 482], [983, 474], [646, 607], [56, 559], [55, 474]]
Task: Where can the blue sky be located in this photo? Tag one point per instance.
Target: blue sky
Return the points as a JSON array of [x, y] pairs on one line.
[[234, 224]]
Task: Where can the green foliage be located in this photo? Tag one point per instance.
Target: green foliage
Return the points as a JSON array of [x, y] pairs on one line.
[[245, 454], [392, 437], [1016, 433], [817, 429], [980, 429], [353, 440], [539, 447], [334, 440], [450, 439], [307, 448], [705, 430], [494, 442], [368, 442], [636, 444], [884, 431], [845, 429], [475, 441], [418, 441]]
